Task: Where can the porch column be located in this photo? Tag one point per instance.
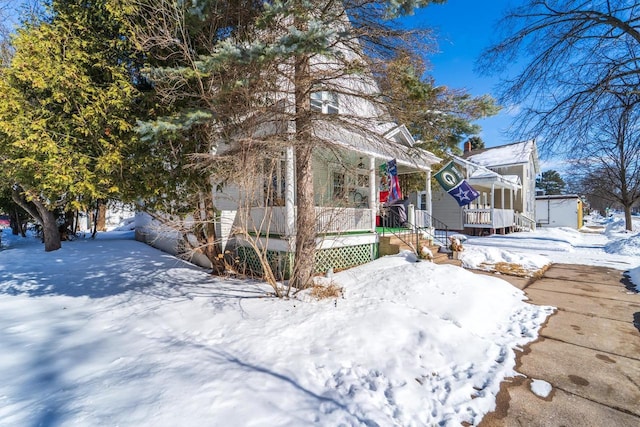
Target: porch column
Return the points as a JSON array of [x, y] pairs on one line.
[[289, 193], [502, 198], [493, 202], [373, 187], [429, 201]]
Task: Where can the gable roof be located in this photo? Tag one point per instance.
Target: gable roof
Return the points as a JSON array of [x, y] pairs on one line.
[[517, 153]]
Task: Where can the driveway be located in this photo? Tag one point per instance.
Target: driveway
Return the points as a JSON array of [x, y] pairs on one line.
[[589, 352]]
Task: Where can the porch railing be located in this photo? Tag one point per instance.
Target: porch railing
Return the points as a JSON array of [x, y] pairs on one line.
[[329, 220], [339, 220], [425, 227], [524, 223], [488, 218]]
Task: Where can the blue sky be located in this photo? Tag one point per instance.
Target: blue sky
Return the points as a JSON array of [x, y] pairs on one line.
[[464, 28]]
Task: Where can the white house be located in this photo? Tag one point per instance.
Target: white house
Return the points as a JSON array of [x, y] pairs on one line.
[[355, 136], [505, 178]]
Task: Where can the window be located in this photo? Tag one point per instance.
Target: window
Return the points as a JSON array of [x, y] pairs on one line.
[[324, 102], [363, 180], [338, 185]]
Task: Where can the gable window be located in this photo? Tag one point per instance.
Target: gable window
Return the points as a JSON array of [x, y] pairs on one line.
[[325, 102]]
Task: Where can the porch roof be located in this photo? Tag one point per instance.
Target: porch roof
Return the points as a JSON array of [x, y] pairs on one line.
[[383, 147], [511, 182], [480, 175]]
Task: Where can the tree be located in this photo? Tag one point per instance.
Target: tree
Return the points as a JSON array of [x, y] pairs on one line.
[[192, 111], [67, 111], [610, 159], [259, 70], [437, 116], [581, 62], [551, 182]]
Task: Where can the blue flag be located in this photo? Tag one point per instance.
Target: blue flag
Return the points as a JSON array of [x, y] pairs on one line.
[[464, 193]]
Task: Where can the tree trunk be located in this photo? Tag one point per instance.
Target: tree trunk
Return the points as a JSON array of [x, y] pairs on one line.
[[211, 248], [50, 230], [14, 222], [628, 219], [101, 218], [43, 216], [304, 259]]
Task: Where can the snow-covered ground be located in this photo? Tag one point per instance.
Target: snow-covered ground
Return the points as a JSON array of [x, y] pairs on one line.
[[112, 332]]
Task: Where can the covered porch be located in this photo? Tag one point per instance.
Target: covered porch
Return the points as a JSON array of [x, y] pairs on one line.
[[346, 195], [495, 211]]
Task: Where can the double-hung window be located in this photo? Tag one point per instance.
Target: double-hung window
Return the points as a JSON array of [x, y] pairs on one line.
[[325, 102]]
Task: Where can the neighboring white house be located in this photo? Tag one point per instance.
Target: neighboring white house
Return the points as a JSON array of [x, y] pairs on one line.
[[559, 211], [505, 178]]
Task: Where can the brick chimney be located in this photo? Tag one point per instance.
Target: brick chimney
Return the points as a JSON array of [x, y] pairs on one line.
[[467, 146]]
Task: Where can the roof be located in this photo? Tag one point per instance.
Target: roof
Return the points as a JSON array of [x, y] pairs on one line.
[[481, 175], [505, 155], [383, 147], [558, 196]]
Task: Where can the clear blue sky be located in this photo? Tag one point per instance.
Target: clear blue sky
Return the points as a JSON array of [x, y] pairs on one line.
[[464, 28]]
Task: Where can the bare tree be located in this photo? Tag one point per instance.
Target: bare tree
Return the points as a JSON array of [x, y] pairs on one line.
[[574, 53], [581, 70], [610, 157]]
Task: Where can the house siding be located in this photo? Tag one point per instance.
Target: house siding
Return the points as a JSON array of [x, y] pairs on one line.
[[446, 210]]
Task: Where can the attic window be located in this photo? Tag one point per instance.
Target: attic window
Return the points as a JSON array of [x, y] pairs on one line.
[[325, 102]]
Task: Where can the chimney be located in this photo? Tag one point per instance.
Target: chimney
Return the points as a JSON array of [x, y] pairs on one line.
[[467, 146]]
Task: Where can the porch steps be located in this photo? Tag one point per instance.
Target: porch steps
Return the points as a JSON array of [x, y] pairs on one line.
[[391, 245]]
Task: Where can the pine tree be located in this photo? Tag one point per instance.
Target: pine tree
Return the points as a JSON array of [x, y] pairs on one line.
[[551, 182], [66, 112], [438, 116], [260, 70]]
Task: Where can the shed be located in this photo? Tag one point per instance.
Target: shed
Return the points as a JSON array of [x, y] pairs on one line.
[[564, 210]]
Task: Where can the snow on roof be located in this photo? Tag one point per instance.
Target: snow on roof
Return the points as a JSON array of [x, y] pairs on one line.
[[378, 145], [503, 155], [557, 196]]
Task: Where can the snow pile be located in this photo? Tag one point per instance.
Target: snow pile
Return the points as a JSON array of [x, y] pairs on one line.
[[629, 246], [114, 332], [541, 388], [634, 276], [492, 259], [605, 243]]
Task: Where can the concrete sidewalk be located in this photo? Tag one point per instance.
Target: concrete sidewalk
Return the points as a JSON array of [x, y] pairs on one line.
[[589, 351]]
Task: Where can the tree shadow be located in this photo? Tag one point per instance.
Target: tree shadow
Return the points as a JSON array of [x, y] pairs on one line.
[[104, 268], [626, 281], [221, 356]]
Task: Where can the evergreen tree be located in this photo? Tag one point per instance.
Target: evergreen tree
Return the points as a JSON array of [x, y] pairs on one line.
[[438, 116], [551, 182], [257, 69], [66, 112]]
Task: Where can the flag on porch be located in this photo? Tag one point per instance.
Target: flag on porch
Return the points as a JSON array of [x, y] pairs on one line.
[[394, 185], [453, 182], [389, 184]]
